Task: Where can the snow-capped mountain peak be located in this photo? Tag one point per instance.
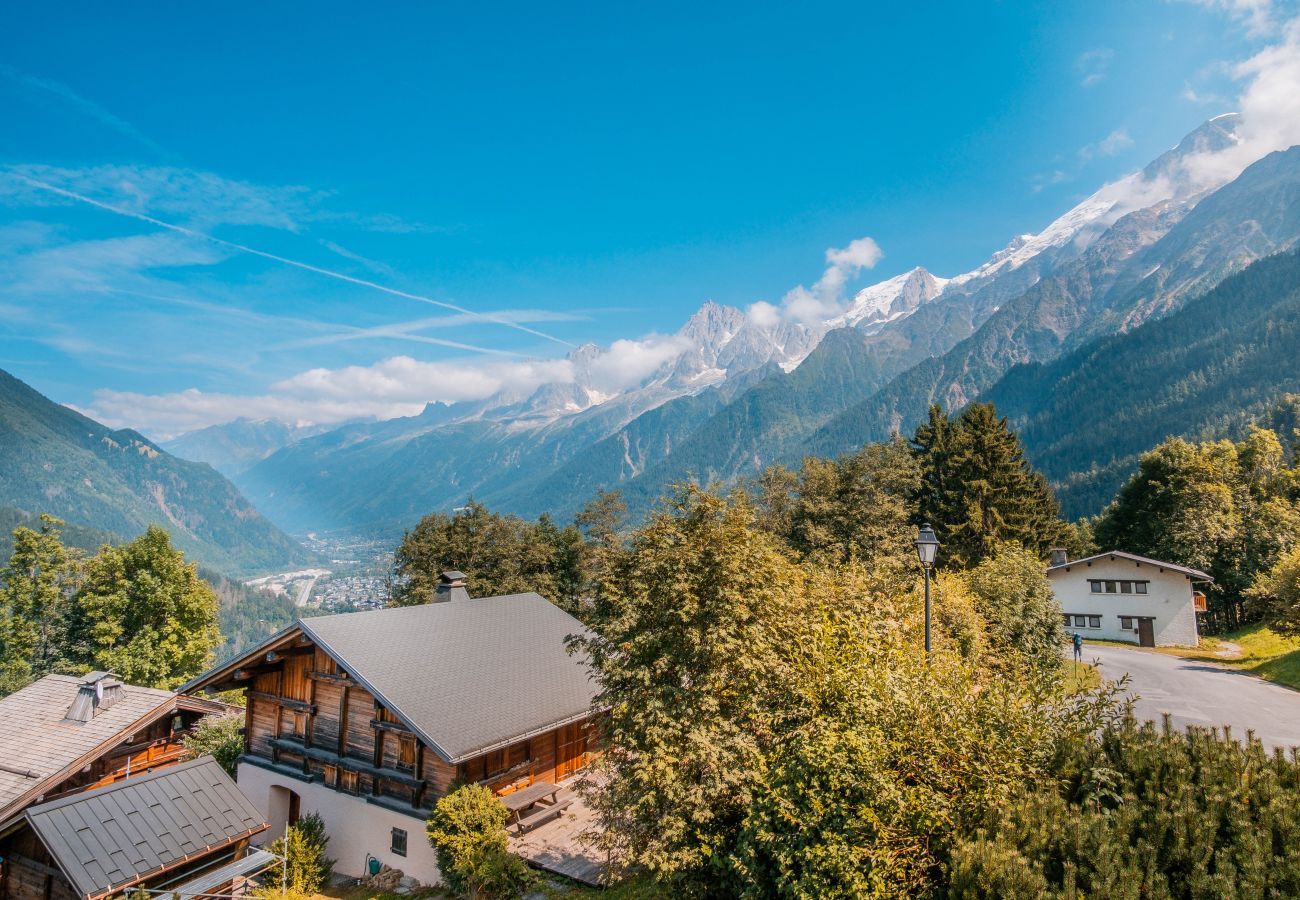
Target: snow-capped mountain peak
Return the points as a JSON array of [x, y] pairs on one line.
[[875, 306]]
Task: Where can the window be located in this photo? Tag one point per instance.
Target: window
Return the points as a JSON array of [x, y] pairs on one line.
[[331, 776], [1094, 621], [1111, 587], [1126, 587], [1141, 586], [398, 844], [348, 781], [1126, 623], [1096, 586], [406, 753], [1069, 620], [1080, 621]]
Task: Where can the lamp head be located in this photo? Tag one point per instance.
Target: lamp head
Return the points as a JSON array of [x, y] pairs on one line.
[[927, 545]]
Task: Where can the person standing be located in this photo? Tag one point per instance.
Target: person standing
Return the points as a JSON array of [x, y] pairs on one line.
[[1078, 647]]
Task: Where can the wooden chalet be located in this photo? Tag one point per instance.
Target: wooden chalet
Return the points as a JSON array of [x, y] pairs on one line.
[[184, 829], [368, 718], [65, 734]]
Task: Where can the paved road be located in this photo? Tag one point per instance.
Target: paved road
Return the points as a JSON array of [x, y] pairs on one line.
[[1199, 693]]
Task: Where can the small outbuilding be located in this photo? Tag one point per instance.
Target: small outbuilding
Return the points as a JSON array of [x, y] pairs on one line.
[[184, 829], [1120, 596]]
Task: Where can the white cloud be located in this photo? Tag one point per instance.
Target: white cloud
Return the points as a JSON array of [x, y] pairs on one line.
[[825, 299], [1270, 109], [1093, 65], [629, 362], [1256, 15], [397, 386], [1113, 143]]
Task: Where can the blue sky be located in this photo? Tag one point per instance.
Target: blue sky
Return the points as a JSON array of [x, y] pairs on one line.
[[559, 173]]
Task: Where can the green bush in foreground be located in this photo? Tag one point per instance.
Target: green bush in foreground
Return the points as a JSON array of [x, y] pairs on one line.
[[468, 830], [1145, 813], [309, 869]]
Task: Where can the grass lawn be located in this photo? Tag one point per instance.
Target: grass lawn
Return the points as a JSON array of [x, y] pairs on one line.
[[1255, 649]]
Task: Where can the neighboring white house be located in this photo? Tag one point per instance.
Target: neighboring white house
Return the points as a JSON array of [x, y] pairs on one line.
[[1120, 596]]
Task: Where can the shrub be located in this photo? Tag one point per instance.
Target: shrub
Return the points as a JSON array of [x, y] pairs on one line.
[[309, 869], [1143, 812], [220, 737], [467, 828]]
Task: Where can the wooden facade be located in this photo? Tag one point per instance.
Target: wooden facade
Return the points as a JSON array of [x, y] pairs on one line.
[[28, 872], [309, 718], [160, 744]]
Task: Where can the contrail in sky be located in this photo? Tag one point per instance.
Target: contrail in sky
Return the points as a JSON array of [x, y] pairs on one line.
[[242, 248]]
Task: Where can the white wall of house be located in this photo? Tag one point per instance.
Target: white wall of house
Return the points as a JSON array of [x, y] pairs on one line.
[[1167, 599], [356, 829]]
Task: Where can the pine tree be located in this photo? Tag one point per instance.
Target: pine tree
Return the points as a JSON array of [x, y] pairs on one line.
[[977, 488]]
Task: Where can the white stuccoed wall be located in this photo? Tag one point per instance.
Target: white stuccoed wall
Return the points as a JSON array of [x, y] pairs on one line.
[[1169, 600], [355, 828]]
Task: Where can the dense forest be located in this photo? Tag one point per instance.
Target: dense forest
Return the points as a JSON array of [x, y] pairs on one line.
[[1086, 416]]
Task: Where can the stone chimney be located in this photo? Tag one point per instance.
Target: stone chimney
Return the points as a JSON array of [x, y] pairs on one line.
[[451, 586], [1058, 556], [97, 691]]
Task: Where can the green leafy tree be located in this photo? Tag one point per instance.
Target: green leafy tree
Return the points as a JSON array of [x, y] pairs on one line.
[[220, 737], [501, 554], [692, 633], [1228, 509], [306, 869], [1017, 602], [35, 600], [468, 833], [858, 507], [1275, 595], [977, 488], [143, 612], [897, 757]]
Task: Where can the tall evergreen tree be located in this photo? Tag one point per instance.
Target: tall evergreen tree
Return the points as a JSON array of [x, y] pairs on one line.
[[977, 488], [144, 613], [38, 583]]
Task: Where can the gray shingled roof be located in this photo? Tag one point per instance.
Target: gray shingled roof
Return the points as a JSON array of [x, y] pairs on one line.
[[106, 839], [1194, 574], [470, 675], [37, 743]]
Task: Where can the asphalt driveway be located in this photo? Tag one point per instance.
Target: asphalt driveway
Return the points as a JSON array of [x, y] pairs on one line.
[[1199, 693]]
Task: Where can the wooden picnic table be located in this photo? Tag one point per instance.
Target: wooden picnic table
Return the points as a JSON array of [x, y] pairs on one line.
[[534, 793], [542, 794]]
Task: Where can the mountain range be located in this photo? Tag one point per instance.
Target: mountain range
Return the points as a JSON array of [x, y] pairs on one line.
[[108, 484], [743, 389]]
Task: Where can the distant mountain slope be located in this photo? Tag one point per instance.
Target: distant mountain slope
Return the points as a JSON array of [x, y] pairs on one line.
[[55, 460], [1204, 370], [234, 447], [1127, 277]]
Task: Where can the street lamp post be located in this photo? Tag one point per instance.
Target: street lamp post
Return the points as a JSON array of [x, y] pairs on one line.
[[927, 547]]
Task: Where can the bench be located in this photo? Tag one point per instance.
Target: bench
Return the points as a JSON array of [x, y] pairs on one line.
[[543, 814]]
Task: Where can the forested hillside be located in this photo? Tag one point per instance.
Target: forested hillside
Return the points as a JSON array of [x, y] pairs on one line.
[[1205, 370], [55, 460]]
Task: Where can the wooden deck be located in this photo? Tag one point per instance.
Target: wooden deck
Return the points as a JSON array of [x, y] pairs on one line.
[[559, 847]]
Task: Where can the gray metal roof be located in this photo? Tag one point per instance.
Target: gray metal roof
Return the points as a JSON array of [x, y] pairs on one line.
[[37, 742], [1194, 574], [107, 839], [467, 676]]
